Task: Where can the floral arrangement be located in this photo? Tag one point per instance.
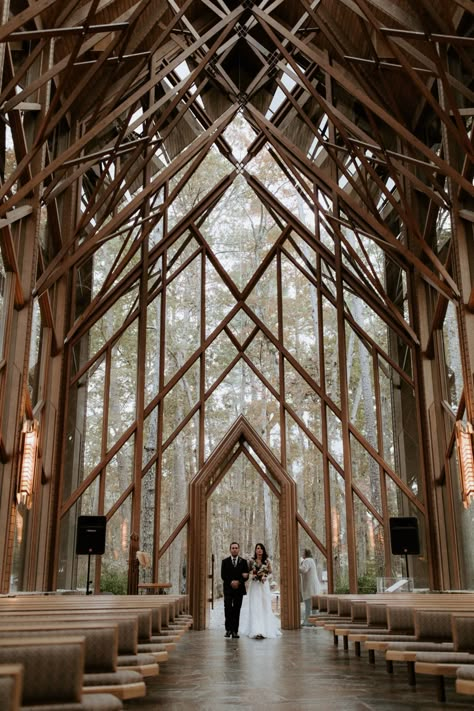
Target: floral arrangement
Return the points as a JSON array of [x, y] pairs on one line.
[[259, 572]]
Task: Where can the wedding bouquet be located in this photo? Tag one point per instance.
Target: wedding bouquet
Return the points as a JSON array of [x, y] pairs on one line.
[[259, 572]]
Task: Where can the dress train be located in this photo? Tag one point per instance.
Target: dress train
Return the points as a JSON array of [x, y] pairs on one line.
[[261, 620]]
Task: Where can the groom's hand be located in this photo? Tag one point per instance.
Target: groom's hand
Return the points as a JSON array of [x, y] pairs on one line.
[[234, 584]]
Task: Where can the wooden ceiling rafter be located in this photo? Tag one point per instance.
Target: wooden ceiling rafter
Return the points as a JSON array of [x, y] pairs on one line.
[[57, 266], [443, 115], [366, 221], [445, 275], [341, 77], [97, 129], [102, 301], [379, 307]]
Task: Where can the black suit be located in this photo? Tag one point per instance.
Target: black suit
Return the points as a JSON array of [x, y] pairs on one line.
[[233, 596]]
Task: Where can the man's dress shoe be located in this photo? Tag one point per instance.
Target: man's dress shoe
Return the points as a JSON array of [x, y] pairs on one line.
[[235, 635], [227, 634]]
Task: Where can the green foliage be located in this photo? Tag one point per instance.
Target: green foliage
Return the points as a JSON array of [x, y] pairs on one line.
[[113, 581], [342, 587], [366, 584]]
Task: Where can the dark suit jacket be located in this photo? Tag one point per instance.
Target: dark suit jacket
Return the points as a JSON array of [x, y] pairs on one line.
[[229, 573]]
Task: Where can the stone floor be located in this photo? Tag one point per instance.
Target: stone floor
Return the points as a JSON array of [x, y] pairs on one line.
[[301, 670]]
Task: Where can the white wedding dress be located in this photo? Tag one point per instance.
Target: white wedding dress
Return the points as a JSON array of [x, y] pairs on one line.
[[261, 620]]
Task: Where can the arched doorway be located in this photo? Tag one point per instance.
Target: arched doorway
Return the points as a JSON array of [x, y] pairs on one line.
[[242, 438]]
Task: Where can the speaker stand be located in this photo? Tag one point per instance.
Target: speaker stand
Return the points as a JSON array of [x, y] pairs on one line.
[[88, 592], [406, 564]]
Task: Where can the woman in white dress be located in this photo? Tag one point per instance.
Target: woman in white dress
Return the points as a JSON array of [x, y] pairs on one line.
[[261, 620]]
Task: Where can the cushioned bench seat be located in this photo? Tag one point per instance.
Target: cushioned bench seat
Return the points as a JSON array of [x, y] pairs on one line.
[[465, 679], [11, 684], [53, 674], [128, 658], [101, 648]]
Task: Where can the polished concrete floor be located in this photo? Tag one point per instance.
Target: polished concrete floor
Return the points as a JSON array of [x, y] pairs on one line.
[[300, 670]]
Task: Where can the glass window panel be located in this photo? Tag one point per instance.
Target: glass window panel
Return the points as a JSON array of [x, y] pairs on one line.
[[242, 326], [239, 135], [265, 356], [123, 383], [105, 328], [35, 348], [241, 392], [182, 249], [407, 456], [218, 356], [173, 564], [365, 474], [361, 391], [370, 548], [152, 353], [331, 352], [305, 465], [366, 318], [114, 572], [67, 558], [388, 379], [326, 235], [303, 400], [443, 229], [178, 468], [84, 427], [109, 254], [302, 253], [263, 299], [305, 541], [300, 318], [147, 512], [209, 172], [339, 531], [240, 231], [180, 400], [335, 441], [219, 300], [278, 184], [119, 474], [183, 317], [452, 354], [150, 435]]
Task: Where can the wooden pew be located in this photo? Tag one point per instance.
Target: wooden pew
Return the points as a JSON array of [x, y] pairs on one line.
[[128, 656], [465, 679], [11, 686], [53, 673], [100, 653]]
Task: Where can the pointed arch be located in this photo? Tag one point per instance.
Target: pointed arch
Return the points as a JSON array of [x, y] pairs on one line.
[[242, 435]]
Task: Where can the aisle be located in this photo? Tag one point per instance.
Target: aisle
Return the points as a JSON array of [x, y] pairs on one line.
[[300, 671]]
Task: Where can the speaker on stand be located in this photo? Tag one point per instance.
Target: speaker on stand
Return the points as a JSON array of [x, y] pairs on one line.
[[90, 539], [404, 537]]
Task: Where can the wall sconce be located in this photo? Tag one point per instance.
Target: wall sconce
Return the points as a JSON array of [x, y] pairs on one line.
[[464, 442], [28, 463]]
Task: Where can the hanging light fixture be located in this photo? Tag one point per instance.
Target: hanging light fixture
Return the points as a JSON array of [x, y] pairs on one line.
[[464, 442], [28, 463]]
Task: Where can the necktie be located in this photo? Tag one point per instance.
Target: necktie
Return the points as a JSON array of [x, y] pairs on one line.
[[234, 561]]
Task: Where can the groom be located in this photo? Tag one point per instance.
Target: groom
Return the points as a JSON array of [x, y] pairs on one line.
[[234, 573]]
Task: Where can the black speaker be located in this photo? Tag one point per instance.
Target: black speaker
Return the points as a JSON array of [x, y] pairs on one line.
[[90, 535], [404, 535]]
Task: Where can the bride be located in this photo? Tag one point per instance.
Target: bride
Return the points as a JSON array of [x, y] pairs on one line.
[[261, 620]]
